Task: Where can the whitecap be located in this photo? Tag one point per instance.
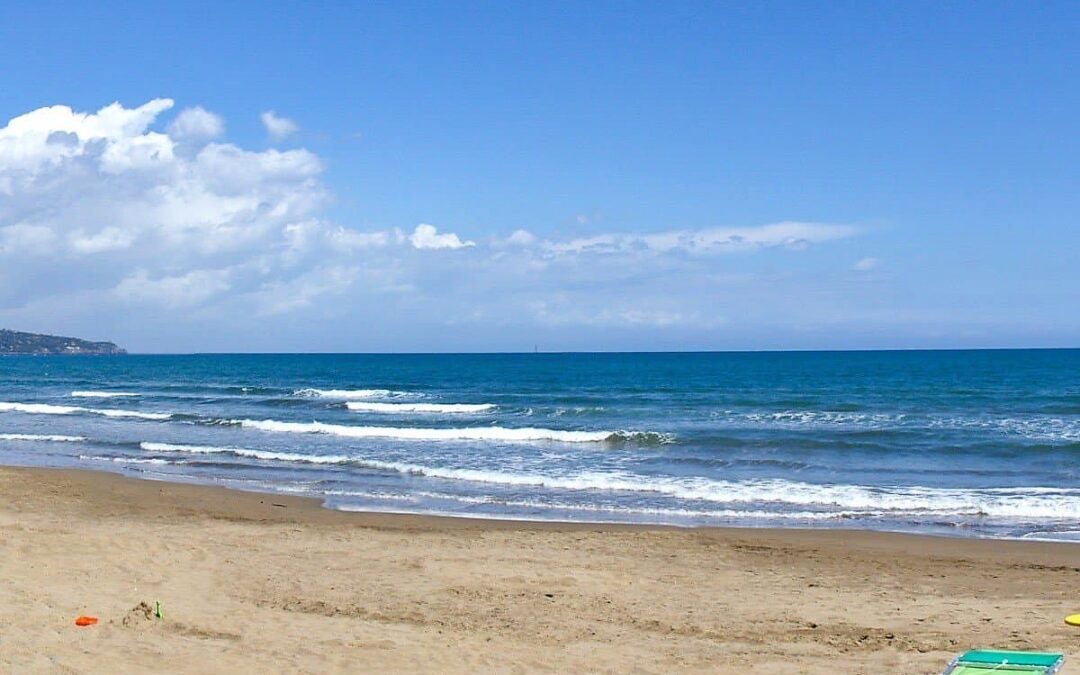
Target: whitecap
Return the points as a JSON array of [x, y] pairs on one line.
[[47, 409], [430, 434], [53, 438], [245, 452], [39, 408], [347, 394], [432, 408], [811, 418]]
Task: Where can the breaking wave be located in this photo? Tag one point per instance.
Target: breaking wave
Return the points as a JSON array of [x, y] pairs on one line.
[[47, 409], [53, 438], [776, 497], [460, 434], [349, 394], [434, 408], [238, 451], [1034, 502], [102, 394], [244, 452]]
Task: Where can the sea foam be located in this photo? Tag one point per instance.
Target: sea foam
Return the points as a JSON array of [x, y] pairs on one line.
[[48, 409], [128, 460], [348, 394], [852, 500], [613, 509], [245, 452], [433, 408], [103, 394], [430, 434], [53, 438], [743, 498]]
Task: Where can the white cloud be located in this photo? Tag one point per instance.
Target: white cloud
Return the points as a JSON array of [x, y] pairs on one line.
[[278, 127], [196, 124], [867, 264], [47, 137], [103, 216], [428, 237], [100, 201]]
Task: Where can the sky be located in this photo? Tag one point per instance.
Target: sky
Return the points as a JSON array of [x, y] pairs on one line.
[[504, 176]]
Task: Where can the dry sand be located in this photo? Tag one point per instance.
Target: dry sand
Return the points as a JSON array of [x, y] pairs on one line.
[[268, 584]]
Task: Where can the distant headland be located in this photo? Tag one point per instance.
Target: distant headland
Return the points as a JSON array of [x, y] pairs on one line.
[[15, 342]]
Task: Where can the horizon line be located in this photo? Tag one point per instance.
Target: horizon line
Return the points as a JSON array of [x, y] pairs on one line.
[[579, 351]]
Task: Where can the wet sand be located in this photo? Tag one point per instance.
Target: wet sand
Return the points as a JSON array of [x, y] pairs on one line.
[[256, 583]]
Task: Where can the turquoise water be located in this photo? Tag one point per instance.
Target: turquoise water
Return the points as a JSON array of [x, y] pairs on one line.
[[975, 443]]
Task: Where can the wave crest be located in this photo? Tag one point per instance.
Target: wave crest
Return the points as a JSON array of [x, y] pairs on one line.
[[433, 408], [348, 394], [54, 438], [430, 434], [48, 409], [245, 452], [775, 498]]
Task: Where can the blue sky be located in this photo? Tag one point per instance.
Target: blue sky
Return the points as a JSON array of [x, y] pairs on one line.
[[679, 175]]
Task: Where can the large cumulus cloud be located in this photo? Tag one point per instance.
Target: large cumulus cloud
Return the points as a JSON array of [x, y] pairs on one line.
[[100, 201]]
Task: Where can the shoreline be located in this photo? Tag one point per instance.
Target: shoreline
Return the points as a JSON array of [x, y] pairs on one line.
[[255, 582], [497, 522]]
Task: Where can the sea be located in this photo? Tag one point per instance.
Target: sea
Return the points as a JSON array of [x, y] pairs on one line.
[[963, 443]]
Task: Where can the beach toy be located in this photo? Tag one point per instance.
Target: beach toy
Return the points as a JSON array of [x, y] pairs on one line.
[[157, 610], [86, 621], [980, 661], [1073, 619]]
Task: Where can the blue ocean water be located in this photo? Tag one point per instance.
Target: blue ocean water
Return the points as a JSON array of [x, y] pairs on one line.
[[974, 443]]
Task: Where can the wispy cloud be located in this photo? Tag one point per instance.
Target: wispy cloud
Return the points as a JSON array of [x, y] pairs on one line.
[[790, 235]]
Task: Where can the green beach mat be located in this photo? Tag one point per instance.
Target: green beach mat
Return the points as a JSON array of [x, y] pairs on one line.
[[983, 661]]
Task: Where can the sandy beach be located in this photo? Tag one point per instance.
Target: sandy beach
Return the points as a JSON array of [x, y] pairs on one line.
[[264, 583]]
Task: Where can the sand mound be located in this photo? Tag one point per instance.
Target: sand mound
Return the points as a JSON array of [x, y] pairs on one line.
[[139, 615]]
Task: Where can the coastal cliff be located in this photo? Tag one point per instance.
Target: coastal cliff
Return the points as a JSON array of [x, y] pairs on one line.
[[15, 342]]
